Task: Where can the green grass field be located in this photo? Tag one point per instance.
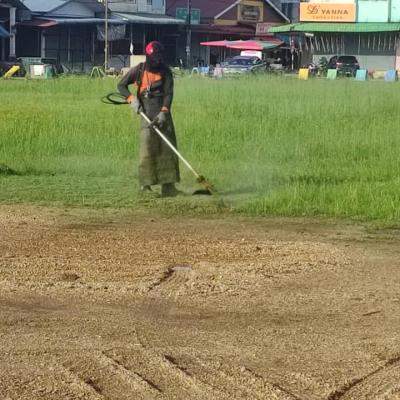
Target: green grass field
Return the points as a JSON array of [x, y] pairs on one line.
[[272, 146]]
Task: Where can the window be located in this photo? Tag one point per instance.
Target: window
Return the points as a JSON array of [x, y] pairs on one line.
[[149, 2]]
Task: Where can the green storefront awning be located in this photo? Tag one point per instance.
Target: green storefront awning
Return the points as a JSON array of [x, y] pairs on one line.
[[140, 18], [356, 27]]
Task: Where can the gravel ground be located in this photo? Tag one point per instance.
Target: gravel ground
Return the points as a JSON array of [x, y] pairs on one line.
[[116, 305]]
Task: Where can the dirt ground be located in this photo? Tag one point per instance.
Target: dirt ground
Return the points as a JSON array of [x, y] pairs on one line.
[[112, 305]]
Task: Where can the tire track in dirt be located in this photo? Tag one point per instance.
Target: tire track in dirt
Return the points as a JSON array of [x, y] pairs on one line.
[[165, 373], [382, 384], [25, 381], [281, 390], [237, 382], [81, 387], [108, 378]]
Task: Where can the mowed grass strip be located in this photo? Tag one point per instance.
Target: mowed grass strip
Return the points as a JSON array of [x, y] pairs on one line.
[[271, 145]]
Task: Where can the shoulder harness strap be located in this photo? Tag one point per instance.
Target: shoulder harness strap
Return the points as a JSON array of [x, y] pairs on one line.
[[139, 77]]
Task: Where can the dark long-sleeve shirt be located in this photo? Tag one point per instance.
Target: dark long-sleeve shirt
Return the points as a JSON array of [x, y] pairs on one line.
[[160, 83]]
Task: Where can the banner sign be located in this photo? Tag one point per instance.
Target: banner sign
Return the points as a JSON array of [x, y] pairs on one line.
[[249, 13], [115, 32], [327, 12]]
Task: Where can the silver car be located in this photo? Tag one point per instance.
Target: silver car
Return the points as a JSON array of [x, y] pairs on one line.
[[240, 65]]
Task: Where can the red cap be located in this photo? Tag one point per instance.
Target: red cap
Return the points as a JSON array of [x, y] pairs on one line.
[[154, 47], [150, 49]]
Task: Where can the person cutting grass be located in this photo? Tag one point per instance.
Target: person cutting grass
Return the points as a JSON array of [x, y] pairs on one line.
[[158, 165]]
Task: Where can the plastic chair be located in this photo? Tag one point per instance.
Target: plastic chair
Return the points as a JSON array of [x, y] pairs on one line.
[[391, 75], [331, 74], [304, 74], [361, 75]]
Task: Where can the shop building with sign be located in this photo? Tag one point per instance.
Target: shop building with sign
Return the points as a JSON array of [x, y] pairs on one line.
[[222, 20], [367, 29]]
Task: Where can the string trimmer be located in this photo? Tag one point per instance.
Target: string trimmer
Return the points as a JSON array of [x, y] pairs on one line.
[[208, 189]]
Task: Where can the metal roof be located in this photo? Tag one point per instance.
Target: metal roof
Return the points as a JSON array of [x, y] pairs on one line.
[[43, 5], [46, 6], [75, 21], [141, 18], [356, 27], [14, 3]]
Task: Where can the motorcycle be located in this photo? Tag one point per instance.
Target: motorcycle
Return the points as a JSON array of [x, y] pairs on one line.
[[313, 69]]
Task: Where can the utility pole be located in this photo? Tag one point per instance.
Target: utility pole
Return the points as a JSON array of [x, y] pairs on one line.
[[189, 32], [106, 37]]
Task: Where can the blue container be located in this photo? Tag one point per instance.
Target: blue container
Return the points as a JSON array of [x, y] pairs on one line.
[[391, 75]]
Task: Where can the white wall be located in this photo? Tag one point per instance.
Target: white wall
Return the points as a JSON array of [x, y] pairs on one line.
[[132, 6]]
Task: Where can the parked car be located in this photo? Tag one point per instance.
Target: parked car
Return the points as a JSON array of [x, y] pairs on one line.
[[332, 62], [240, 65], [345, 65], [226, 62]]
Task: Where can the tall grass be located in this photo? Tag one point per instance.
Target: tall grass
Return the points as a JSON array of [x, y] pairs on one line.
[[273, 146]]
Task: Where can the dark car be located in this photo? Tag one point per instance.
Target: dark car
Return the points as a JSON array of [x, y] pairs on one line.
[[332, 62], [345, 65], [244, 65]]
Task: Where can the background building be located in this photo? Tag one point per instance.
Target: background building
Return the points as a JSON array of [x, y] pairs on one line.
[[72, 32], [63, 30], [222, 20], [370, 30]]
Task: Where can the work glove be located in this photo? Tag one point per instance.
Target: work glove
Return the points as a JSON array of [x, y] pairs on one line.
[[136, 106], [161, 119]]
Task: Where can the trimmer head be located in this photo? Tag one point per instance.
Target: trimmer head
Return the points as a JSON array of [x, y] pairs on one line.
[[208, 187]]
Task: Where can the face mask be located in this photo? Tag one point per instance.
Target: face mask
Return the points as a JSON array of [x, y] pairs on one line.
[[155, 60], [154, 55]]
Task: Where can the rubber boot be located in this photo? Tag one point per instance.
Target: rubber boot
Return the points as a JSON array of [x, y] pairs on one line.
[[146, 189], [169, 190], [147, 193]]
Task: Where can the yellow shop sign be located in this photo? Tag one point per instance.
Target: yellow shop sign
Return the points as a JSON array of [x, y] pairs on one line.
[[327, 12]]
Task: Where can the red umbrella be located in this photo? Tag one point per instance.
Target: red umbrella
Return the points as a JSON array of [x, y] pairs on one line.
[[254, 44], [218, 43], [245, 44]]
